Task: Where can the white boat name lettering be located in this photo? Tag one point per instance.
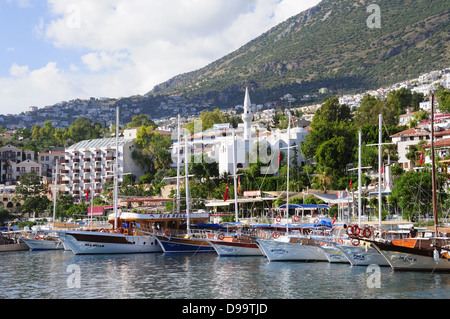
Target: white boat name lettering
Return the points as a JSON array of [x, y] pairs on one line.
[[94, 245], [407, 259]]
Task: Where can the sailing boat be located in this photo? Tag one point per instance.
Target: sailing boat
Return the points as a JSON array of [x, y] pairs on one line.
[[119, 241], [188, 242], [420, 254], [235, 245], [357, 251], [46, 240], [290, 247]]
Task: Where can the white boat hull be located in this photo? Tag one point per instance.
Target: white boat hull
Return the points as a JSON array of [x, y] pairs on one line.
[[224, 248], [362, 256], [286, 251], [334, 255], [44, 244], [93, 243]]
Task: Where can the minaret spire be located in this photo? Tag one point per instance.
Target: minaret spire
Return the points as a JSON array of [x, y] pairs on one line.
[[247, 116]]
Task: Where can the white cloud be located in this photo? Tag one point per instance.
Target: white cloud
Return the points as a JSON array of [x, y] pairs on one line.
[[128, 46]]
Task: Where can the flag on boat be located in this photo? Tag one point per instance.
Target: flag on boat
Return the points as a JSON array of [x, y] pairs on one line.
[[226, 193], [239, 186], [334, 219]]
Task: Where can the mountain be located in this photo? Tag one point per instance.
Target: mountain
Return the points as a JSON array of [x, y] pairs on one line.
[[330, 45]]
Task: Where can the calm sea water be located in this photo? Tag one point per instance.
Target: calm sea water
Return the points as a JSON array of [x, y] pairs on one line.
[[62, 275]]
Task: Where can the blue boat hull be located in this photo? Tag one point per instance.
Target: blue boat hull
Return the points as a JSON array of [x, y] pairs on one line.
[[179, 245]]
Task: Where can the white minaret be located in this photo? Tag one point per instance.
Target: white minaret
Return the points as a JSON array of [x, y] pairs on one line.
[[247, 117]]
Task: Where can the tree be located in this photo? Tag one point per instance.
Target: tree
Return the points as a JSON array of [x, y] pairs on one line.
[[331, 141], [30, 191], [443, 96], [5, 215], [412, 192], [141, 120], [208, 119], [152, 149]]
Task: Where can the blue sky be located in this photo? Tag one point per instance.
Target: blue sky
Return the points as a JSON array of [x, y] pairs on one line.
[[57, 50]]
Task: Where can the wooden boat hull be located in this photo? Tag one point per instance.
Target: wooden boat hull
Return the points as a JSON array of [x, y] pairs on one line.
[[14, 247], [290, 251], [93, 243], [180, 245], [226, 248], [404, 258]]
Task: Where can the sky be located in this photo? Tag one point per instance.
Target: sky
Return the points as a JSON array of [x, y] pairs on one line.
[[59, 50]]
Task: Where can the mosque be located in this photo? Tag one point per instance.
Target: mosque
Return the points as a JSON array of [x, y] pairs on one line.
[[244, 145]]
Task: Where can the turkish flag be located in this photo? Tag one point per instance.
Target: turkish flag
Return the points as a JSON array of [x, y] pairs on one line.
[[226, 194]]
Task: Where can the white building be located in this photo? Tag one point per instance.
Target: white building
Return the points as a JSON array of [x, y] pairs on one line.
[[252, 141], [90, 163]]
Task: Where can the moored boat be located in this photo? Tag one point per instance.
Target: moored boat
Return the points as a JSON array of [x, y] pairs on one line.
[[291, 249], [417, 254], [421, 253], [12, 241], [235, 246], [40, 241]]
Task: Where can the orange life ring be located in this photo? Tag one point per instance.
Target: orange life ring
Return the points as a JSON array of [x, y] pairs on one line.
[[167, 232], [316, 220], [221, 236], [275, 235], [278, 219], [351, 230], [355, 242], [367, 232], [295, 218]]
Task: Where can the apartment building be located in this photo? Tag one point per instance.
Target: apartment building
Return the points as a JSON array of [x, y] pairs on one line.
[[89, 164], [48, 162], [15, 162], [413, 136]]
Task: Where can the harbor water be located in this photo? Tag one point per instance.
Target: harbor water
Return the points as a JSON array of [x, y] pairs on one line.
[[63, 275]]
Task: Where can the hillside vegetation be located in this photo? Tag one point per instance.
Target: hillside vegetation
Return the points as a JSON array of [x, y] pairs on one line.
[[329, 45]]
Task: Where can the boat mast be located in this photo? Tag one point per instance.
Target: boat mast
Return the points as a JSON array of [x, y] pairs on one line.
[[116, 168], [359, 179], [178, 166], [186, 170], [433, 168], [380, 160], [55, 192], [236, 207], [288, 164]]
